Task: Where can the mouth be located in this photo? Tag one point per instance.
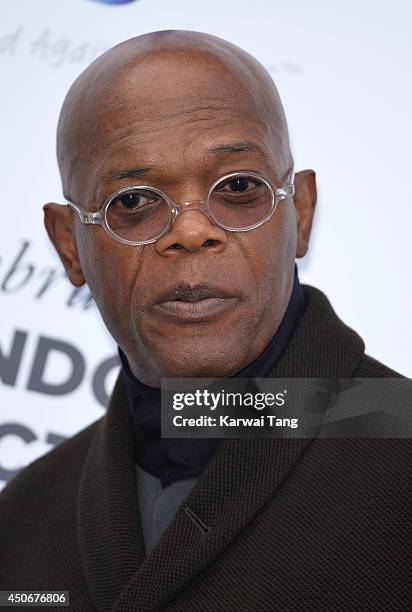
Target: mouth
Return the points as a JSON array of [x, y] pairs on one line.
[[188, 303]]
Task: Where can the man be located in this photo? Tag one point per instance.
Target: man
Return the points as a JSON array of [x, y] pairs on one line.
[[185, 220]]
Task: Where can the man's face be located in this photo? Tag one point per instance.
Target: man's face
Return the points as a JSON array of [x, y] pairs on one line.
[[163, 125]]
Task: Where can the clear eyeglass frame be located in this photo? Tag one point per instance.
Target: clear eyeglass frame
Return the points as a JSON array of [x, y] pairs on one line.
[[100, 217]]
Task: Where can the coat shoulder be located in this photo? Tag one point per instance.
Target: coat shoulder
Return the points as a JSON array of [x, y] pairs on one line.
[[371, 368], [38, 528], [55, 472]]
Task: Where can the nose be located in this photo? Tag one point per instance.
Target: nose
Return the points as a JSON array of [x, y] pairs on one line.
[[192, 230]]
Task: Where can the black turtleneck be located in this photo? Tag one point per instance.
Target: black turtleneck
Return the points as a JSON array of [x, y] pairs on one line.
[[172, 459]]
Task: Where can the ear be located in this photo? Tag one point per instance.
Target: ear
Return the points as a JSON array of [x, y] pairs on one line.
[[59, 222], [305, 202]]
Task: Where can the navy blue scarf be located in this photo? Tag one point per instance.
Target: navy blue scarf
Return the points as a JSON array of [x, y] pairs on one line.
[[175, 459]]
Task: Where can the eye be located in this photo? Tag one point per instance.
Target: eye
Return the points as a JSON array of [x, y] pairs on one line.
[[132, 200], [135, 201], [240, 184]]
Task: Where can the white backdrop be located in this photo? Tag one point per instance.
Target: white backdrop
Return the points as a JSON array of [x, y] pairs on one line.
[[343, 69]]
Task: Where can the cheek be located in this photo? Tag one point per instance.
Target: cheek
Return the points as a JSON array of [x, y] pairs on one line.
[[109, 268], [271, 252], [282, 237]]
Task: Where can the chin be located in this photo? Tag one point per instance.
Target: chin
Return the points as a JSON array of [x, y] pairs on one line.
[[203, 353], [193, 364], [201, 371]]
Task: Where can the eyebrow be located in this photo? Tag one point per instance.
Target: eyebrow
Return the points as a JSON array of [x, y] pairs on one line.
[[217, 149], [235, 147], [118, 175]]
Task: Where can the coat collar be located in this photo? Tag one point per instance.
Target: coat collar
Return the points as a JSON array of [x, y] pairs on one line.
[[226, 497]]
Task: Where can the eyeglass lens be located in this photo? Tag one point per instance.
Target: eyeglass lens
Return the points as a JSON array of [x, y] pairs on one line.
[[236, 202], [240, 202], [138, 214]]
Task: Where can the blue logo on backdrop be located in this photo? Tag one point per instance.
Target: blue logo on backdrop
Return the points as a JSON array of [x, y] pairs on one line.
[[115, 1]]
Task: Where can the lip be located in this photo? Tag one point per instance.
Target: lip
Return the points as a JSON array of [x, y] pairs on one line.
[[193, 303], [195, 310]]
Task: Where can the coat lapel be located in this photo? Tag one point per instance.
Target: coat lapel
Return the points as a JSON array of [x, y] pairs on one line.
[[110, 538], [240, 478]]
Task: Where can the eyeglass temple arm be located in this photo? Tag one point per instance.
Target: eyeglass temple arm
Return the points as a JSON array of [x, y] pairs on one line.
[[288, 191], [86, 217]]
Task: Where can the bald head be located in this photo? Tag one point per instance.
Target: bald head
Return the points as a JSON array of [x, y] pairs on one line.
[[156, 82]]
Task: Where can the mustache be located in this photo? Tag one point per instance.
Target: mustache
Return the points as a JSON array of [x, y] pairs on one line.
[[185, 292]]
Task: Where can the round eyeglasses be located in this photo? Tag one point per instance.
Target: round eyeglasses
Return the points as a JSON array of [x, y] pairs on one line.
[[141, 214]]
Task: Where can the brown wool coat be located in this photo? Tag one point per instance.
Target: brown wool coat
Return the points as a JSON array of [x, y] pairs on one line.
[[287, 524]]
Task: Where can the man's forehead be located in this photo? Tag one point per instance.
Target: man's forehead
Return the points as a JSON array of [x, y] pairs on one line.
[[203, 118], [135, 107]]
